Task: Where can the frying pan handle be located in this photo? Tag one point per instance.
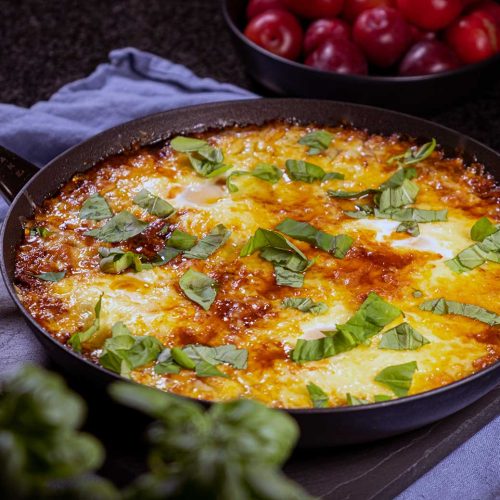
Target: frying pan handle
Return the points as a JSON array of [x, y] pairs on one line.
[[15, 172]]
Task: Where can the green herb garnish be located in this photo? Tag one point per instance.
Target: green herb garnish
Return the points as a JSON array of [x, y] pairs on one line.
[[304, 305], [402, 337], [199, 288], [95, 208], [209, 244], [482, 229], [121, 227], [39, 231], [153, 204], [263, 171], [51, 276], [409, 227], [398, 377], [443, 306], [319, 397], [354, 401], [299, 170], [412, 215], [116, 260], [181, 240], [414, 155], [317, 141], [77, 339]]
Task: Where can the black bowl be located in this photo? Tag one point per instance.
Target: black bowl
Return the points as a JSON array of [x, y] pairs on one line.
[[415, 94]]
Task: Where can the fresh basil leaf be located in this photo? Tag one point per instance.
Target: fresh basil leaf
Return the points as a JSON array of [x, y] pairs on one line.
[[354, 401], [95, 208], [51, 276], [409, 227], [209, 244], [121, 227], [115, 261], [399, 196], [398, 377], [299, 170], [370, 318], [39, 231], [337, 246], [351, 195], [417, 294], [361, 212], [378, 398], [164, 256], [402, 337], [413, 155], [263, 171], [482, 228], [181, 240], [199, 288], [187, 144], [120, 328], [166, 364], [228, 354], [304, 305], [264, 238], [443, 306], [319, 397], [77, 339], [397, 179], [313, 350], [317, 141], [153, 204], [412, 215], [205, 369], [285, 277], [206, 168], [182, 359]]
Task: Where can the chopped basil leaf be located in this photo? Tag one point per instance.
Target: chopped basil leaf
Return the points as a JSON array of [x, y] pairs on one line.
[[264, 238], [182, 359], [165, 363], [412, 214], [199, 288], [398, 377], [482, 229], [205, 369], [378, 398], [361, 212], [51, 276], [115, 260], [319, 397], [313, 350], [181, 240], [39, 231], [443, 306], [335, 245], [304, 305], [187, 144], [402, 337], [77, 339], [209, 244], [409, 227], [121, 227], [263, 171], [95, 208], [286, 277], [413, 155], [299, 170], [351, 195], [397, 179], [317, 141], [153, 204], [228, 354], [354, 401], [165, 255], [395, 197], [417, 294]]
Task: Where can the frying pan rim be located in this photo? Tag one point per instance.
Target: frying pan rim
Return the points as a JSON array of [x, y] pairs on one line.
[[136, 124]]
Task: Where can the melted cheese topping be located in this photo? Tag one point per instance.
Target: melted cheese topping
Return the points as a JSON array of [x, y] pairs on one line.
[[247, 309]]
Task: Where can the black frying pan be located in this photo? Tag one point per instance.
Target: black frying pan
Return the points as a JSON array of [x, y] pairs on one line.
[[319, 427]]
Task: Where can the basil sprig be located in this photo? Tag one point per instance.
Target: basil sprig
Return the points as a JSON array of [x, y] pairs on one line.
[[77, 339], [199, 288], [304, 304], [367, 321], [124, 352], [202, 359], [206, 160], [317, 141], [153, 204], [414, 155], [402, 338], [288, 261], [51, 276], [209, 244], [43, 232], [337, 246], [95, 208], [319, 398], [299, 170], [443, 306], [398, 377], [263, 171], [121, 227]]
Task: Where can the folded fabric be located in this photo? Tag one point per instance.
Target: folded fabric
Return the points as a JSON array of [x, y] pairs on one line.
[[135, 84]]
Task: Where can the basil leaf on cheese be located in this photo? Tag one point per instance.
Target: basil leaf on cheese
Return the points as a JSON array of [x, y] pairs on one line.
[[166, 363], [338, 246], [398, 377], [317, 141], [115, 260], [443, 306], [182, 359], [395, 197], [414, 155], [199, 288], [228, 354], [187, 144], [313, 350], [482, 229], [264, 238], [417, 293], [351, 195], [401, 338], [409, 227], [153, 204], [263, 171], [205, 369], [95, 208], [39, 231], [51, 276], [304, 304], [397, 179], [209, 244], [319, 397], [378, 398], [354, 401], [412, 215], [121, 227], [286, 277], [181, 240], [77, 339], [361, 212], [299, 170], [164, 256]]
